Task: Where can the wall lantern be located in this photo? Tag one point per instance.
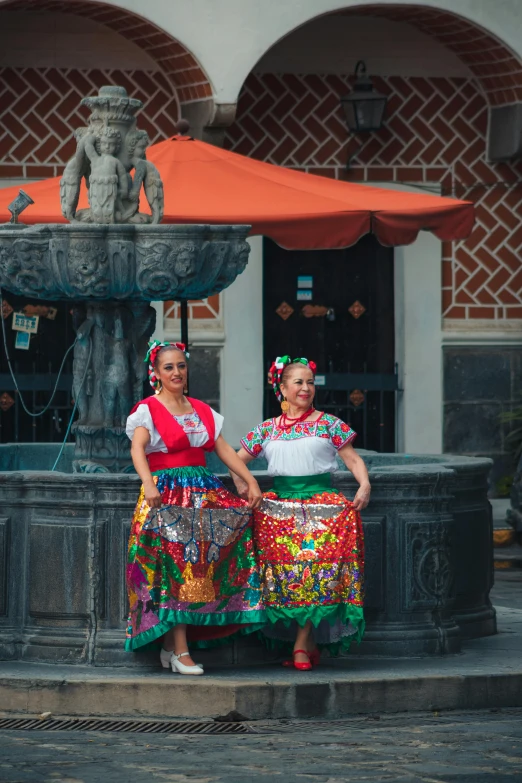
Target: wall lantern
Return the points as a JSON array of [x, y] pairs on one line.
[[364, 106]]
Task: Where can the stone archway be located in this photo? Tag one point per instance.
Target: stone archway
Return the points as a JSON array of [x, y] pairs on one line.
[[497, 69], [173, 59]]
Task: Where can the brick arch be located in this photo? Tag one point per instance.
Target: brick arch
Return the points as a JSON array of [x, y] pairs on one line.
[[495, 66], [173, 59]]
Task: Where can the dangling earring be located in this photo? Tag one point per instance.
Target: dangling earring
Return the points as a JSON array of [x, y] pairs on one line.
[[160, 387], [284, 405]]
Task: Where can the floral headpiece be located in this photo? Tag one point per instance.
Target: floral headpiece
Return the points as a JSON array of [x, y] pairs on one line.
[[276, 371], [150, 357]]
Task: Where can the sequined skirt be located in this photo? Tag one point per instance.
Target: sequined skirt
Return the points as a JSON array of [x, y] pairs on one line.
[[192, 561], [310, 553]]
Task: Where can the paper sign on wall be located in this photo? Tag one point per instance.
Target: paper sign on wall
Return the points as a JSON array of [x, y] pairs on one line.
[[320, 380], [304, 296], [23, 340], [25, 323], [305, 281]]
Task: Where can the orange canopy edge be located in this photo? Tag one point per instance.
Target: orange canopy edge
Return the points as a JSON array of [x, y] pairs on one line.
[[299, 211]]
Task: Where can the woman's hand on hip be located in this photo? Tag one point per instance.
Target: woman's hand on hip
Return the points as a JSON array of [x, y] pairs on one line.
[[362, 497], [255, 495], [152, 495]]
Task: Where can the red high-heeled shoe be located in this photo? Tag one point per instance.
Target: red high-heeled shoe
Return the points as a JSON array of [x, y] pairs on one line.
[[302, 667], [315, 659]]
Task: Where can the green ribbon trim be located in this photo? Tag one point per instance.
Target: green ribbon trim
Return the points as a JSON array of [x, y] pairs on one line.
[[301, 487], [344, 613], [253, 621]]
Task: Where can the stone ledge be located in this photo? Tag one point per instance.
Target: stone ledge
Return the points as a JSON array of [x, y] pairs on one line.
[[487, 675], [258, 696]]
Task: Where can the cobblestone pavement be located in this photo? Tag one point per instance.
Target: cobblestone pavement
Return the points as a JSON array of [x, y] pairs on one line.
[[475, 747]]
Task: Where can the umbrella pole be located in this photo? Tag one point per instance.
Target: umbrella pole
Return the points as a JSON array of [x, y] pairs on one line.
[[183, 308]]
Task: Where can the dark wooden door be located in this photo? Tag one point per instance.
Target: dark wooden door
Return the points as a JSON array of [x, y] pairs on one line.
[[347, 328]]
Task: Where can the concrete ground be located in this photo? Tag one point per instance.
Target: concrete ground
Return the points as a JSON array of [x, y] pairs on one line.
[[478, 747], [435, 745]]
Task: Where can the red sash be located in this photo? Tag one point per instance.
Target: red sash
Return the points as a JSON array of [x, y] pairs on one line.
[[180, 453]]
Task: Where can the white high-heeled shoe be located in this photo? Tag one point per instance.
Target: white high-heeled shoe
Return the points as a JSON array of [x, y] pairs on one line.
[[179, 667], [166, 656]]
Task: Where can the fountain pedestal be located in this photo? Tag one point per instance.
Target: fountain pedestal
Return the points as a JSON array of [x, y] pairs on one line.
[[112, 337]]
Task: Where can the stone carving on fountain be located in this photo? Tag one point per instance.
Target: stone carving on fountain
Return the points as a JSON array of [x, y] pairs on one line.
[[107, 150], [111, 261], [139, 262], [108, 358]]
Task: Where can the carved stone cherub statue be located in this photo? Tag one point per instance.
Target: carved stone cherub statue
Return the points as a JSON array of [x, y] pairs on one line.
[[146, 175], [108, 181], [75, 170], [105, 155]]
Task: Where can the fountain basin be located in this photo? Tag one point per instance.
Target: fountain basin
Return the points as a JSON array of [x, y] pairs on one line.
[[85, 262], [63, 544]]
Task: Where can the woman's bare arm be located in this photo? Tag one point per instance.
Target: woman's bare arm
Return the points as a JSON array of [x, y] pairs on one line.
[[237, 467], [140, 439], [356, 466], [241, 486]]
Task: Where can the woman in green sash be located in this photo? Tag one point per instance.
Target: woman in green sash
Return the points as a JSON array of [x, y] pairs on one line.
[[309, 536]]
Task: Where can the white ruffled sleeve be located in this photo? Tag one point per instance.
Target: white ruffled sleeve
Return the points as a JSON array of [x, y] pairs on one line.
[[218, 423], [140, 418]]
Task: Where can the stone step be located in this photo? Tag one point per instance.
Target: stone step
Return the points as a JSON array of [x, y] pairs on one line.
[[487, 675]]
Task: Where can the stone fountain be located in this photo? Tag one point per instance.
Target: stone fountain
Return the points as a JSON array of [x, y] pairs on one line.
[[111, 261], [63, 536]]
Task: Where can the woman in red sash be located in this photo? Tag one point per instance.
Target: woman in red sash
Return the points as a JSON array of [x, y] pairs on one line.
[[190, 565]]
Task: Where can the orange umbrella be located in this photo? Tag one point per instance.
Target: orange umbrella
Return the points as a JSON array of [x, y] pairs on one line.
[[206, 184]]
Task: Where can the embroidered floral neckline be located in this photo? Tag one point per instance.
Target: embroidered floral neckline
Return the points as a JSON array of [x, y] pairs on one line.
[[190, 421]]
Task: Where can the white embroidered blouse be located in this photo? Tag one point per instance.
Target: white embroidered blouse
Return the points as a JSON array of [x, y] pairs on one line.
[[191, 423], [307, 449]]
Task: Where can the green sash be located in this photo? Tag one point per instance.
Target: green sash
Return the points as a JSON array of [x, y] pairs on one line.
[[301, 487]]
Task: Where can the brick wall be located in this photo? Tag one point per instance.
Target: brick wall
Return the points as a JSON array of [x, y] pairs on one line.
[[434, 134], [40, 109]]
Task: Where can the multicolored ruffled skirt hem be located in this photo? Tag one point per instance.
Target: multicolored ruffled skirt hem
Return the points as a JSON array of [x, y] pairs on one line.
[[192, 561], [310, 551]]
